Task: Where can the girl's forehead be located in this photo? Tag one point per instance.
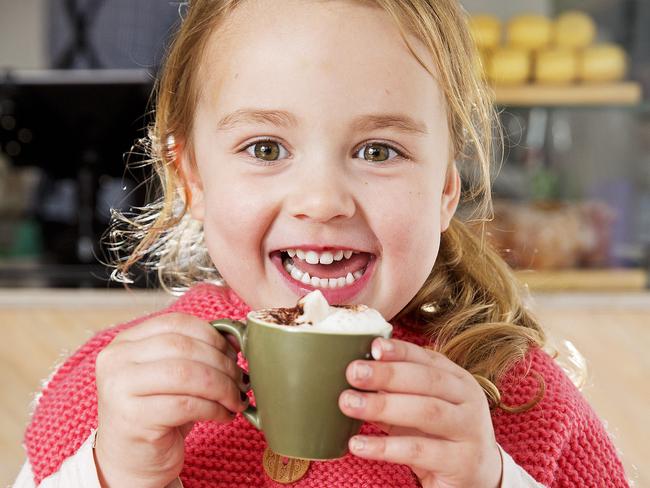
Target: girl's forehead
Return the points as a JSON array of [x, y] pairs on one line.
[[341, 49]]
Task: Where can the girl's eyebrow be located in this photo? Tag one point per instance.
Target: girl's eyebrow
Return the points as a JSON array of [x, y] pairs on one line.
[[282, 118]]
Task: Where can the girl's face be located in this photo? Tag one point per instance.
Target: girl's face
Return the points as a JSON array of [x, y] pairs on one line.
[[317, 130]]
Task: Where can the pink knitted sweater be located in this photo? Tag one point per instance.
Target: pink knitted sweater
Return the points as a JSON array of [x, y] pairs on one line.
[[560, 442]]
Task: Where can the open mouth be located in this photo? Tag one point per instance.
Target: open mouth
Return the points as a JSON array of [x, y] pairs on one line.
[[338, 273]]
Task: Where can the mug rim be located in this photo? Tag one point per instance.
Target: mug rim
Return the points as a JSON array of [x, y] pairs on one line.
[[299, 330]]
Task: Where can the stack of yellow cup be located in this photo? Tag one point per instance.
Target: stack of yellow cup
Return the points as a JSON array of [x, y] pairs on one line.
[[545, 51]]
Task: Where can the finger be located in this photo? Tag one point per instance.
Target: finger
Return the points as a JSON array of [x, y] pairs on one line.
[[396, 350], [428, 415], [180, 346], [416, 452], [176, 323], [181, 377], [179, 411], [404, 377]]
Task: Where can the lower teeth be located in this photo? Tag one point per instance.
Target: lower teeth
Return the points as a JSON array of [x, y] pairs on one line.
[[317, 282]]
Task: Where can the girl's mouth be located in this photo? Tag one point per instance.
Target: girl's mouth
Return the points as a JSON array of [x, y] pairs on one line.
[[338, 274]]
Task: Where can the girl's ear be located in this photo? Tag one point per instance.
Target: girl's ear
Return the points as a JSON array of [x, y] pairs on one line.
[[191, 180], [450, 197]]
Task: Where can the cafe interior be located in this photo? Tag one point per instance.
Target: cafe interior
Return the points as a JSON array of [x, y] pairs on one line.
[[571, 83]]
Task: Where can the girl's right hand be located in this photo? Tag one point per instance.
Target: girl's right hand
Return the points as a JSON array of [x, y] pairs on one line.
[[154, 381]]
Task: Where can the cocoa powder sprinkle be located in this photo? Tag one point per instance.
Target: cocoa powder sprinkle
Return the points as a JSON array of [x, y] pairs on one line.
[[289, 316]]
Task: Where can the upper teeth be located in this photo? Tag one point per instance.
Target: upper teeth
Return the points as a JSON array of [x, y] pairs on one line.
[[327, 257]]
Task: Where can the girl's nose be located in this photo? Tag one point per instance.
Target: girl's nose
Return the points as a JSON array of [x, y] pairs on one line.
[[321, 195]]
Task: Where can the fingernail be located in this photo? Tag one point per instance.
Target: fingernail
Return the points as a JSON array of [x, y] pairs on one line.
[[380, 346], [362, 371], [354, 401], [357, 444], [376, 350]]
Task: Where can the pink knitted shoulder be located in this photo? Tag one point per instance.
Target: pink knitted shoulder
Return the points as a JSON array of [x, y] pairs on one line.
[[561, 442]]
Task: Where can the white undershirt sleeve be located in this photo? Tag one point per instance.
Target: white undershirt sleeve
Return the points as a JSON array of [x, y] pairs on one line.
[[77, 471], [513, 475]]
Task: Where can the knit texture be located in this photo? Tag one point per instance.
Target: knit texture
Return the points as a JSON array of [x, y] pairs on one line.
[[560, 442]]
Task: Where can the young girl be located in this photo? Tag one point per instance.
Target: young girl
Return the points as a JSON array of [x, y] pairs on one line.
[[306, 144]]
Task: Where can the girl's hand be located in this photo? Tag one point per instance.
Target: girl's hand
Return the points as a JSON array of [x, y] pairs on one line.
[[434, 411], [153, 382]]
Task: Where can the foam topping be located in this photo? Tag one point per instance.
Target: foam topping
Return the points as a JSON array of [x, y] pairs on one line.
[[319, 315]]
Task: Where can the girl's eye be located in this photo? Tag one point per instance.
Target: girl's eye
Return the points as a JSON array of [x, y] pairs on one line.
[[378, 153], [266, 150], [270, 151]]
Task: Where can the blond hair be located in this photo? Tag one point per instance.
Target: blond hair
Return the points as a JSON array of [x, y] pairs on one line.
[[471, 300]]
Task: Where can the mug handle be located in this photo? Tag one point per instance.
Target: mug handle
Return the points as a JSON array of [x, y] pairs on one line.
[[237, 329]]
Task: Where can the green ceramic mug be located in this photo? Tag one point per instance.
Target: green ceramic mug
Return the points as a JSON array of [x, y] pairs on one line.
[[297, 376]]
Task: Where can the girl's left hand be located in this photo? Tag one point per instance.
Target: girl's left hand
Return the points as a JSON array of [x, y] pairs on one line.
[[434, 411]]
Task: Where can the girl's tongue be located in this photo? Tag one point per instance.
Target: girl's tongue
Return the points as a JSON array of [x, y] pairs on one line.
[[355, 263]]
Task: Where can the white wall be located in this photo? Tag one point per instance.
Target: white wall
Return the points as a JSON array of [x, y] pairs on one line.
[[22, 34], [505, 9]]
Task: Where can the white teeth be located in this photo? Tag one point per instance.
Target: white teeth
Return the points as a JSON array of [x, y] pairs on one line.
[[326, 258], [311, 257], [317, 282], [349, 279]]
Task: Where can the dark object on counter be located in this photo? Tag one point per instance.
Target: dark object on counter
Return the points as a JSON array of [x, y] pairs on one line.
[[79, 128]]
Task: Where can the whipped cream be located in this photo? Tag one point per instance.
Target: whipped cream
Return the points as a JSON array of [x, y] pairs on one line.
[[318, 315]]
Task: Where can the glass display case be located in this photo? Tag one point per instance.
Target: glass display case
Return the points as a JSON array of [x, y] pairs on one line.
[[572, 196]]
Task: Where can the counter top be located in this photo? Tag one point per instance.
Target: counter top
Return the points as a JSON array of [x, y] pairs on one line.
[[114, 297]]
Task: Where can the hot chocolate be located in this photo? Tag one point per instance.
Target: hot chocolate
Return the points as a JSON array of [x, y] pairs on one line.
[[312, 313]]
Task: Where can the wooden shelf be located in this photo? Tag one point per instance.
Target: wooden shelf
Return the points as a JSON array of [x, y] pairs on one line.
[[585, 280], [626, 93]]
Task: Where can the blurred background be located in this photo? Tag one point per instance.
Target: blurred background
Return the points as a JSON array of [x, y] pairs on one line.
[[571, 80]]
